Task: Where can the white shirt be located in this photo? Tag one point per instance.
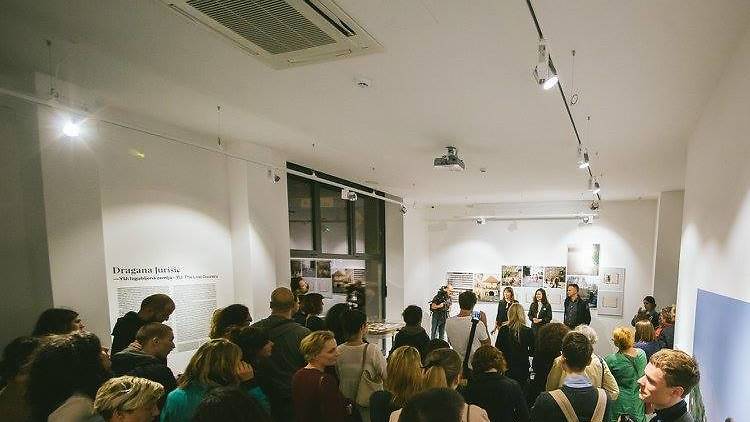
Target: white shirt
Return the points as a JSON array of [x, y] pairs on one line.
[[458, 330], [349, 364]]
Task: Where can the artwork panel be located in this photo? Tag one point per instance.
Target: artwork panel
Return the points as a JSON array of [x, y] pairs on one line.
[[611, 303], [554, 277], [511, 275], [533, 276], [486, 287], [583, 259], [613, 279]]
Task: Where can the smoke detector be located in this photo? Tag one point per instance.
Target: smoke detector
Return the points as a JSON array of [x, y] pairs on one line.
[[450, 161]]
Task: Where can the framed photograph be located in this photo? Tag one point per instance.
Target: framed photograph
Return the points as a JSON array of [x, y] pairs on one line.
[[486, 286], [554, 277], [533, 276], [511, 275], [583, 259], [613, 279], [611, 303]]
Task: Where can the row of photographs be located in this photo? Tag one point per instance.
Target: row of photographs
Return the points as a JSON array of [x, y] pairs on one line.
[[328, 277], [489, 287]]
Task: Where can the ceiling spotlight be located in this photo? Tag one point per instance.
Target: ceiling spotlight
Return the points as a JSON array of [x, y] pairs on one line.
[[480, 221], [544, 75], [403, 209], [594, 186], [71, 129], [348, 195], [583, 158], [594, 205], [586, 219], [449, 161], [273, 176]]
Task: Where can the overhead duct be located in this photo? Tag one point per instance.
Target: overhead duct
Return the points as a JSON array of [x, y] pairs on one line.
[[282, 33]]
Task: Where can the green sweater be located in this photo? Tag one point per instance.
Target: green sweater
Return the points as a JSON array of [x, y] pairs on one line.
[[182, 402]]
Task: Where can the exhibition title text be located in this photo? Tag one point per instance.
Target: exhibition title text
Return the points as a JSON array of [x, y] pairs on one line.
[[146, 270]]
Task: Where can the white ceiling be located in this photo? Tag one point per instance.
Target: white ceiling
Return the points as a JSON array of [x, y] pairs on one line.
[[453, 72]]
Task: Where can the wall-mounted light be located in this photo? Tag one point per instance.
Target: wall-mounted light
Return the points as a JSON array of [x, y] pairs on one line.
[[71, 129]]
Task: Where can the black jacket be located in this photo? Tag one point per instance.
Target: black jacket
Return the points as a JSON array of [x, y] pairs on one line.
[[126, 328], [545, 314], [309, 321], [381, 406], [583, 401], [667, 336], [499, 395], [516, 351], [502, 311], [414, 336], [653, 316], [583, 316], [138, 364], [275, 373]]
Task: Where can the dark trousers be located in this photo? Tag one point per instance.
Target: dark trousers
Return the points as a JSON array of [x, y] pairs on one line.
[[438, 326]]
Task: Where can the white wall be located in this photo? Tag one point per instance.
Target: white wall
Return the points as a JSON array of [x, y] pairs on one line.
[[417, 282], [716, 222], [625, 231], [394, 261], [120, 197], [668, 238]]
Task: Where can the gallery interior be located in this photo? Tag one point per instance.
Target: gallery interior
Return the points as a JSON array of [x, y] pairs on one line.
[[169, 146]]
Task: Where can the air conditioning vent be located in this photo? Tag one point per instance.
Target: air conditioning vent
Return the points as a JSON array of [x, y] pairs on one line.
[[283, 33]]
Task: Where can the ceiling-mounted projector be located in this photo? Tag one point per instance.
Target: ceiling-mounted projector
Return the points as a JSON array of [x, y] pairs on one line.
[[450, 161]]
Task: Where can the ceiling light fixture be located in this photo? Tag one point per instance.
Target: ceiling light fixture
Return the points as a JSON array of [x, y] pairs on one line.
[[71, 129], [594, 186], [449, 161], [480, 221], [583, 158], [544, 74], [348, 195]]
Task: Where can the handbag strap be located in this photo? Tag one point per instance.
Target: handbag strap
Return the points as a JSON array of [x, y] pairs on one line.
[[564, 404], [601, 406], [474, 323], [603, 368], [361, 370]]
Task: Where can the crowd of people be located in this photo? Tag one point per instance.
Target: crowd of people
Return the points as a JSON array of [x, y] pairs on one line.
[[296, 365]]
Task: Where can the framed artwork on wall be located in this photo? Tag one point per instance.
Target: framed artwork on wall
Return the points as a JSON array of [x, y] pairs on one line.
[[610, 303]]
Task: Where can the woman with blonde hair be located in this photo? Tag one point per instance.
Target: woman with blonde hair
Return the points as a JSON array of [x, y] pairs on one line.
[[516, 341], [404, 381], [627, 365], [315, 392], [127, 398], [645, 338], [217, 363], [443, 369]]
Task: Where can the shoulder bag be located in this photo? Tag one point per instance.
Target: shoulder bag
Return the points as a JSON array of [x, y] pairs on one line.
[[368, 383]]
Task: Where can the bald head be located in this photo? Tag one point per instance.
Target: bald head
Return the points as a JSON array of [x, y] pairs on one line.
[[282, 300]]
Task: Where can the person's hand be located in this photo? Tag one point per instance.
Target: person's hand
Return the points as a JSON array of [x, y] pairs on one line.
[[537, 320], [245, 371], [135, 346], [494, 330]]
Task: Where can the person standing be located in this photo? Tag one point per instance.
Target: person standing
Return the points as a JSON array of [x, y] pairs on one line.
[[509, 298], [647, 312], [516, 341], [576, 309], [412, 334], [286, 357], [540, 311], [466, 331], [489, 389], [440, 306], [315, 392], [156, 341], [665, 332], [668, 378], [645, 338], [627, 366], [154, 308], [577, 397]]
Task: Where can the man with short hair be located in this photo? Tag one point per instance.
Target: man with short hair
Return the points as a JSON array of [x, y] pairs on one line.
[[275, 372], [459, 328], [669, 377], [154, 308], [155, 341], [577, 398], [576, 309], [440, 306]]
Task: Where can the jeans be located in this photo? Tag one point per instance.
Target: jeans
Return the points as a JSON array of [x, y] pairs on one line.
[[438, 326]]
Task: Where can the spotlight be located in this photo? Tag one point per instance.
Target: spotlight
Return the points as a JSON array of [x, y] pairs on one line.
[[71, 129], [586, 219], [273, 176], [594, 186], [403, 209], [480, 221], [594, 205], [543, 73], [583, 158], [348, 195]]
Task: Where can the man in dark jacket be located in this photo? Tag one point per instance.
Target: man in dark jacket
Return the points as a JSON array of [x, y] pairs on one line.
[[668, 378], [576, 309], [275, 373], [412, 334], [154, 308], [577, 394], [156, 340], [440, 306]]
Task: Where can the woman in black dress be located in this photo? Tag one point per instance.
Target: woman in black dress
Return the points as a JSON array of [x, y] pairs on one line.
[[508, 299], [540, 311], [516, 341]]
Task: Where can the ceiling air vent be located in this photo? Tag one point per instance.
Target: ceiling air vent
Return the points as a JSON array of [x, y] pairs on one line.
[[283, 33]]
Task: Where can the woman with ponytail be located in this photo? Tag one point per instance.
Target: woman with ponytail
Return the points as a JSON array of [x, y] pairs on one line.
[[443, 370], [516, 341]]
